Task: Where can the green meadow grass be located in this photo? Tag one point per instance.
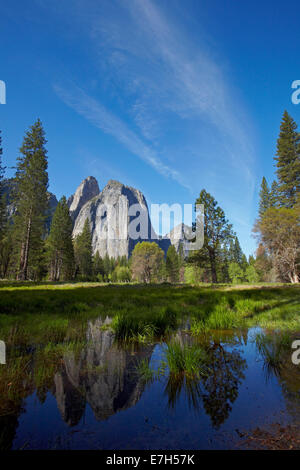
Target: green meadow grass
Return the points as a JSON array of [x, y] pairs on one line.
[[51, 320], [33, 313]]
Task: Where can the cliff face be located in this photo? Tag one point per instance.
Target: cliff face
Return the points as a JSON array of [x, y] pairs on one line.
[[87, 189], [110, 214]]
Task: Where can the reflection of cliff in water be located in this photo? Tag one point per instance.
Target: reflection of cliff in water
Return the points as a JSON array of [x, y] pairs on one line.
[[104, 376]]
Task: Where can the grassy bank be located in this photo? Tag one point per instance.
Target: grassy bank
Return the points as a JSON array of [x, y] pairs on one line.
[[37, 312]]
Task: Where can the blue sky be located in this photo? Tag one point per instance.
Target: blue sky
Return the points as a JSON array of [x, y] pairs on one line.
[[167, 96]]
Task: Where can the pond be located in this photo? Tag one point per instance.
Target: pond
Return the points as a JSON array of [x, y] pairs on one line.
[[96, 398]]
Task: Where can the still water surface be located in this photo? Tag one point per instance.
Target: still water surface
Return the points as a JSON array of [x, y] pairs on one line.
[[97, 399]]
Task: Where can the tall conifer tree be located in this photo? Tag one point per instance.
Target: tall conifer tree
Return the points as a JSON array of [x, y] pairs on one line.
[[5, 229], [217, 233], [172, 264], [265, 197], [288, 161], [83, 251], [237, 251], [2, 196], [30, 200], [60, 244], [98, 265], [274, 194]]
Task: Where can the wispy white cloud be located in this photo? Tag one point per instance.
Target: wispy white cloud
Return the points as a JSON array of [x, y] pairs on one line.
[[180, 113], [164, 72], [100, 117]]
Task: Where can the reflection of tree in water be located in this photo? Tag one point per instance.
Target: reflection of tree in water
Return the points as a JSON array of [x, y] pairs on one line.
[[289, 380], [275, 351], [191, 387], [218, 390]]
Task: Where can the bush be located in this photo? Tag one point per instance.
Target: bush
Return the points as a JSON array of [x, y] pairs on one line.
[[121, 274], [235, 273], [252, 275]]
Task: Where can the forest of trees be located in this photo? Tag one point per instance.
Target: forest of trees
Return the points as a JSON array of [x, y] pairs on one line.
[[29, 250], [278, 226]]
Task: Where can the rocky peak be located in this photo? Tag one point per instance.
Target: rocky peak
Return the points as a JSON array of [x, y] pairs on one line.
[[109, 214], [178, 238], [87, 189]]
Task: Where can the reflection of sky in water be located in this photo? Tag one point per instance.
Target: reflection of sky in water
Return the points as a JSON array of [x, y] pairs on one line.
[[109, 407]]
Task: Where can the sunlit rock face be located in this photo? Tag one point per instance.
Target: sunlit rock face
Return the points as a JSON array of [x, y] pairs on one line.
[[87, 189], [104, 376], [111, 215], [179, 237]]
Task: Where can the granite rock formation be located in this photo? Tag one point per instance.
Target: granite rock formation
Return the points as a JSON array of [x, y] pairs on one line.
[[179, 237], [87, 189], [114, 215]]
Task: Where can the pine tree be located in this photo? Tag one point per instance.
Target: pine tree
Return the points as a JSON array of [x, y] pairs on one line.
[[83, 252], [288, 161], [230, 251], [244, 263], [31, 201], [172, 264], [3, 218], [98, 265], [223, 265], [181, 262], [5, 229], [251, 260], [265, 197], [60, 244], [252, 275], [217, 232], [235, 273], [274, 194], [237, 251], [107, 267]]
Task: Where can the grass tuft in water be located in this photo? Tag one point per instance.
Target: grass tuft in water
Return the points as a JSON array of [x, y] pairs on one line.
[[273, 349], [130, 326], [186, 359]]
